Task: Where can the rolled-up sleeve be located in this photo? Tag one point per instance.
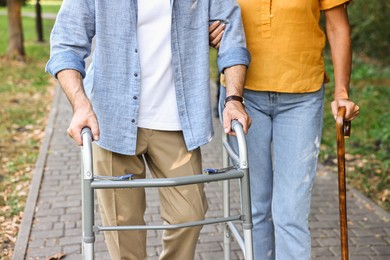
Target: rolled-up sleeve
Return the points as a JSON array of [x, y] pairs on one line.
[[328, 4], [71, 37], [233, 56], [65, 60], [233, 49]]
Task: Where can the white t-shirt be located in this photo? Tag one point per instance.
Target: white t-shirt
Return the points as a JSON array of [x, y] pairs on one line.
[[158, 109]]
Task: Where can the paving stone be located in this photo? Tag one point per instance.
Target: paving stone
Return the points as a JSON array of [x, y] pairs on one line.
[[37, 243], [40, 226], [321, 251], [47, 234], [382, 250], [44, 252], [360, 257], [380, 257], [69, 240], [51, 241], [50, 212], [72, 249], [71, 217]]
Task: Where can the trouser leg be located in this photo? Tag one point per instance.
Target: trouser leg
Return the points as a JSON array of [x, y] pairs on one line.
[[296, 140], [121, 206], [168, 157], [286, 130]]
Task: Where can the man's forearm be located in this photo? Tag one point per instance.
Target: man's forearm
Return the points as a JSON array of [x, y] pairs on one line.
[[235, 80], [83, 114], [72, 84], [234, 110]]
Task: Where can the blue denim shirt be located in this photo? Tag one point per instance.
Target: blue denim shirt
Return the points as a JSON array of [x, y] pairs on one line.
[[112, 81]]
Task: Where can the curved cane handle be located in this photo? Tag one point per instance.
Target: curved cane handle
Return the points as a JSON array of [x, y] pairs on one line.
[[340, 120]]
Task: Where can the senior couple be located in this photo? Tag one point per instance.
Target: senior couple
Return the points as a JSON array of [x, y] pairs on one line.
[[146, 99]]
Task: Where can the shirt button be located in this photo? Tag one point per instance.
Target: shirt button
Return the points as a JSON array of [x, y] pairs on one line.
[[135, 74], [133, 120], [135, 97], [135, 50]]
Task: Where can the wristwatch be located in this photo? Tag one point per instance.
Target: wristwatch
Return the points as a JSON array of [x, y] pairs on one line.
[[234, 98]]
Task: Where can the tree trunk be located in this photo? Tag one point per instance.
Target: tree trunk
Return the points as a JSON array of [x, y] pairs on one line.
[[15, 30], [38, 21]]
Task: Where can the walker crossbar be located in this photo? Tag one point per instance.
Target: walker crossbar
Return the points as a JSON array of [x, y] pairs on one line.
[[89, 184], [166, 182], [168, 226]]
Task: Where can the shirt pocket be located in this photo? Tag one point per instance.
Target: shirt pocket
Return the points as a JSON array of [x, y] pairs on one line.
[[193, 15]]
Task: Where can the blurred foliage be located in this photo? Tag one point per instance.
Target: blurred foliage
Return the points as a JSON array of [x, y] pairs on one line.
[[370, 25], [368, 148]]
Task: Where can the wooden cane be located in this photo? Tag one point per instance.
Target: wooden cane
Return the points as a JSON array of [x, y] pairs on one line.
[[343, 129]]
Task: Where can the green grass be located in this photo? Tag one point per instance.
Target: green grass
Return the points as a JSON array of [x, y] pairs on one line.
[[46, 6]]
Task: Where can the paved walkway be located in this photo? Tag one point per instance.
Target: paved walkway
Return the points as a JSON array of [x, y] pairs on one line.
[[52, 219]]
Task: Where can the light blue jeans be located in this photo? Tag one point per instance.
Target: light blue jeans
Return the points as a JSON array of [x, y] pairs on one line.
[[283, 145]]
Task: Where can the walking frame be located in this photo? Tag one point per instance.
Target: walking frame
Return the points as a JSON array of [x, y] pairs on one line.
[[343, 129], [241, 172]]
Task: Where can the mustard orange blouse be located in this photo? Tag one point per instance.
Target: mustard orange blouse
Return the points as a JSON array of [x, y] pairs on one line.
[[286, 42]]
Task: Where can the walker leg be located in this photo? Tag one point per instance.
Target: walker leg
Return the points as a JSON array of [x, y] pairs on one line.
[[88, 251], [88, 220], [226, 212], [247, 210], [248, 238], [226, 205], [87, 196]]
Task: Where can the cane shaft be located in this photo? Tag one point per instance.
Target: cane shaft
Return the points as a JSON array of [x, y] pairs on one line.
[[342, 130]]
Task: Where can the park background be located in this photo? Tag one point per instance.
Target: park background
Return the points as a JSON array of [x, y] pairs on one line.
[[26, 95]]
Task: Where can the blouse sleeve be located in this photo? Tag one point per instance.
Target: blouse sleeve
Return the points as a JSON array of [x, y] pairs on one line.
[[328, 4]]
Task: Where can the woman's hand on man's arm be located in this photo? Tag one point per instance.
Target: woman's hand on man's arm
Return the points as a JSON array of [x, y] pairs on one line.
[[216, 30]]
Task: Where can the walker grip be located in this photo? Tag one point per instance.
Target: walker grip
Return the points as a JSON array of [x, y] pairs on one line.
[[86, 130]]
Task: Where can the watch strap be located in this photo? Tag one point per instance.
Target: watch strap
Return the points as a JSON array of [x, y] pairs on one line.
[[234, 98]]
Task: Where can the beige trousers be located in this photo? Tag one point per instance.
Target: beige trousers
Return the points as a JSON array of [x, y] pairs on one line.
[[166, 156]]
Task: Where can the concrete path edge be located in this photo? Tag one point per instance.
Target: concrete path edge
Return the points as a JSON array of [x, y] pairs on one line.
[[380, 212]]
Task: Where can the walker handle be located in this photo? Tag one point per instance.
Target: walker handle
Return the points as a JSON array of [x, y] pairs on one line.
[[235, 123], [86, 130]]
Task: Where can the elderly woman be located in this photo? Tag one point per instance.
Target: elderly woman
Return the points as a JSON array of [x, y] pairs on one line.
[[284, 96]]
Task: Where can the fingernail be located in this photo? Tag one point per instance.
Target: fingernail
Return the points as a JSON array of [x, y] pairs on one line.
[[226, 130]]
